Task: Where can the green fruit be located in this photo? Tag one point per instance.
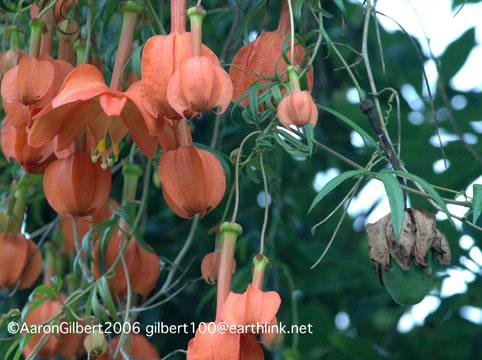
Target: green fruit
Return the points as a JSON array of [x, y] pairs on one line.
[[409, 287]]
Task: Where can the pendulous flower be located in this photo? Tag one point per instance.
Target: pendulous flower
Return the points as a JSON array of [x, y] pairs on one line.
[[298, 108], [20, 261], [199, 84], [193, 181], [75, 186], [162, 56], [261, 61]]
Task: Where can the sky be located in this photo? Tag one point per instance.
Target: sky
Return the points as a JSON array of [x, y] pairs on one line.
[[433, 23]]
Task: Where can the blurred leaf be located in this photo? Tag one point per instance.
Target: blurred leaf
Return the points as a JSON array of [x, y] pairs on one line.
[[456, 54], [477, 202]]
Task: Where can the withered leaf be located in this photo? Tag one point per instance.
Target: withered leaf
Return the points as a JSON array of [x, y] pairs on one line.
[[425, 226], [403, 250], [377, 243]]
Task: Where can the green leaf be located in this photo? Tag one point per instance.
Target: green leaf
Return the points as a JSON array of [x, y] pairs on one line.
[[104, 292], [333, 183], [340, 5], [456, 54], [428, 188], [396, 200], [477, 202], [351, 124]]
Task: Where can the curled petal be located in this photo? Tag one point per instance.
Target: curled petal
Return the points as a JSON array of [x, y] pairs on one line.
[[83, 83], [134, 121]]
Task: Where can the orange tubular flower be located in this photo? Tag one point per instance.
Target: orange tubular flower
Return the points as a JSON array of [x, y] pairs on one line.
[[143, 266], [85, 102], [298, 108], [262, 58], [198, 84], [66, 345], [20, 260], [75, 186], [193, 181], [137, 347], [162, 55]]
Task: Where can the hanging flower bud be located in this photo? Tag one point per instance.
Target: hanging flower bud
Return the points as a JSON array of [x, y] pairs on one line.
[[262, 60], [193, 181], [210, 267], [95, 343], [75, 186], [20, 260], [162, 55], [67, 345], [136, 347], [198, 84], [143, 266], [298, 108]]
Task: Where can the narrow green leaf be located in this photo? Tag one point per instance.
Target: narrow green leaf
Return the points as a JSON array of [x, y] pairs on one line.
[[333, 183], [477, 201], [104, 293], [351, 124], [340, 5], [395, 199]]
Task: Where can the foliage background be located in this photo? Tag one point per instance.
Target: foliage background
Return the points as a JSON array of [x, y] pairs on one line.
[[344, 281]]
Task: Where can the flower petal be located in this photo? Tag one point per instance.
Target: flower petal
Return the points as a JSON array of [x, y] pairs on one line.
[[82, 83], [35, 78]]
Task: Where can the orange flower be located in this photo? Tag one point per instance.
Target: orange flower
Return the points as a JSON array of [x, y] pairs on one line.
[[193, 181], [20, 260], [299, 109], [199, 84], [252, 307], [262, 59], [143, 266], [162, 55], [136, 346], [35, 78], [75, 186], [67, 345], [86, 103], [210, 267], [211, 345]]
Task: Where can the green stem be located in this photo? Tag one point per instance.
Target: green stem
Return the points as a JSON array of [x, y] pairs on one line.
[[260, 264], [294, 79], [196, 15], [14, 39], [36, 28], [230, 232]]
